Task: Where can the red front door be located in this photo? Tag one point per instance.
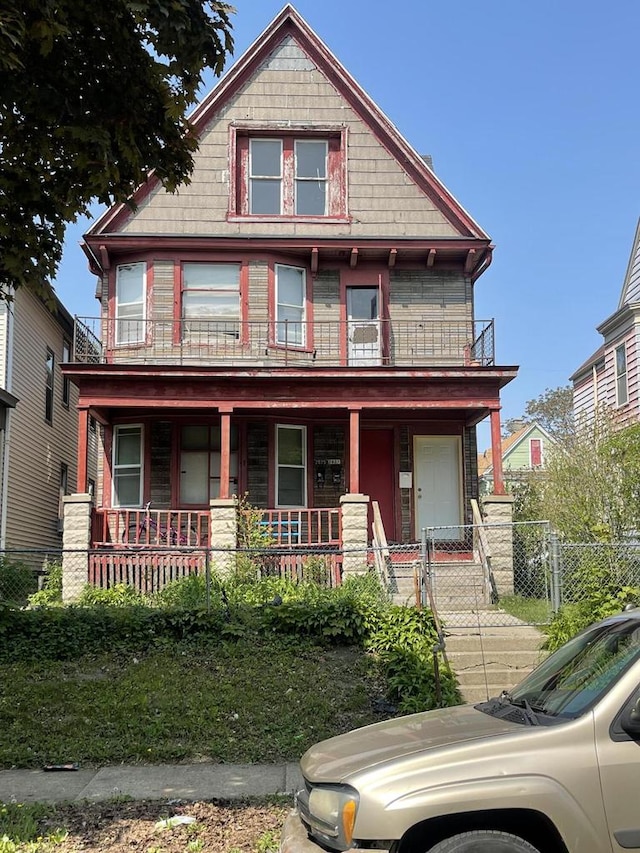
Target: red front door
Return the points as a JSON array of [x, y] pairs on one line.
[[376, 474]]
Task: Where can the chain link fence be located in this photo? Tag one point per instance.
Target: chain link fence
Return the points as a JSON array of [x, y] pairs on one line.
[[511, 574]]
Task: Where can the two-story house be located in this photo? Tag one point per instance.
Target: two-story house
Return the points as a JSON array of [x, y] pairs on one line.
[[609, 378], [38, 419], [297, 323]]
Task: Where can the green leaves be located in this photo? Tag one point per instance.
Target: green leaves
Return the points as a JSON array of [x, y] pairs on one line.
[[92, 98]]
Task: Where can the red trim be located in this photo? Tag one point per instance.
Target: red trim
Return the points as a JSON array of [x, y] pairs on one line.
[[225, 451], [289, 23], [354, 451], [107, 480], [496, 453], [83, 449]]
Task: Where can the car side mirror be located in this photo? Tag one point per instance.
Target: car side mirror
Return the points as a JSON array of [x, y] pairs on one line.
[[630, 720]]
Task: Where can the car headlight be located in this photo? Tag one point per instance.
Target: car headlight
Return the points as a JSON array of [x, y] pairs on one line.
[[332, 813]]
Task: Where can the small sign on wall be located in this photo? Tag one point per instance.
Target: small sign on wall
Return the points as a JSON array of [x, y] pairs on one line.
[[406, 479]]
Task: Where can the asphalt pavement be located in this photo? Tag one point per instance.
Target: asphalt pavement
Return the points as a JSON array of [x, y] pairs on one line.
[[190, 782]]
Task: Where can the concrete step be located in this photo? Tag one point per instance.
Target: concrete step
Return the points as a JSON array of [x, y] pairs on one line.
[[519, 659]]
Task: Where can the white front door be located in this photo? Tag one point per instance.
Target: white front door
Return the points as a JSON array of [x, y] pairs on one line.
[[363, 326], [437, 486]]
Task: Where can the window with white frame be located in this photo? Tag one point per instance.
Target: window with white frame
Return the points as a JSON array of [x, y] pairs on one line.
[[289, 177], [66, 382], [48, 391], [200, 456], [290, 306], [211, 298], [130, 305], [621, 375], [291, 468], [127, 465]]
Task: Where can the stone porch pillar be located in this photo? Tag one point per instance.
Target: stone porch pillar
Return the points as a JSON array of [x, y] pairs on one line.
[[76, 541], [498, 511], [355, 538], [223, 537]]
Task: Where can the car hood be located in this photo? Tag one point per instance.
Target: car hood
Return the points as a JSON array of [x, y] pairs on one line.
[[338, 758]]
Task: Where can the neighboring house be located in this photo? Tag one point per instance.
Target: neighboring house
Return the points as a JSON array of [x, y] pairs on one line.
[[295, 324], [524, 451], [609, 378], [38, 444]]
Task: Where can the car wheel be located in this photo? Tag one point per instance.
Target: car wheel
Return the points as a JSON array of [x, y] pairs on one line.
[[483, 841]]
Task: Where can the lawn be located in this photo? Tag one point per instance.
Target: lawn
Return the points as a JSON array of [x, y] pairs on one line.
[[251, 700]]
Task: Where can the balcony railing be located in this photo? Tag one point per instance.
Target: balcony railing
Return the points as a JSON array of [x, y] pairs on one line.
[[366, 343]]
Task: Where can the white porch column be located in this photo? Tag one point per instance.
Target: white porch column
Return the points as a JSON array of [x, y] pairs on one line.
[[223, 540], [498, 510], [76, 541], [355, 538]]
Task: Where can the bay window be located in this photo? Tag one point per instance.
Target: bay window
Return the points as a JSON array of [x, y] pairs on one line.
[[211, 298], [290, 306], [130, 303], [291, 468]]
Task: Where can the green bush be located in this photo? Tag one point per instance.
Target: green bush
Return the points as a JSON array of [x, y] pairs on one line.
[[17, 582], [51, 592]]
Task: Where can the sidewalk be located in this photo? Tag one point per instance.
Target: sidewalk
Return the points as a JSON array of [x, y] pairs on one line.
[[150, 782]]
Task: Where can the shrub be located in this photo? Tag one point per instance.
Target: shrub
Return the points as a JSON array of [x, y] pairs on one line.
[[17, 582], [119, 595], [51, 592]]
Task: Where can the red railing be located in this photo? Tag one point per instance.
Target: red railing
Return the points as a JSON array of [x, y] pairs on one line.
[[166, 528], [303, 527]]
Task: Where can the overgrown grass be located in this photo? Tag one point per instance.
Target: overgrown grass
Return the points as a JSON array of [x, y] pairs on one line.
[[533, 611], [248, 701]]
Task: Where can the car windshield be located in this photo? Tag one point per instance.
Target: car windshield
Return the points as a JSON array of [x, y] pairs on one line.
[[580, 672]]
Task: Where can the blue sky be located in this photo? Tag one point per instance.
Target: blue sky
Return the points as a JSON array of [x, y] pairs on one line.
[[529, 112]]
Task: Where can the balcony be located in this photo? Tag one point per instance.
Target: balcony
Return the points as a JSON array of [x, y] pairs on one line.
[[372, 343]]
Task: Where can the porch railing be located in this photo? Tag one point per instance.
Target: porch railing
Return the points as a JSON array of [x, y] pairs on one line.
[[420, 342], [180, 528]]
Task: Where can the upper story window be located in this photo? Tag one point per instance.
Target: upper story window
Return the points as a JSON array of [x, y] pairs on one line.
[[211, 298], [48, 392], [621, 375], [535, 452], [295, 174], [130, 307], [66, 382], [290, 306]]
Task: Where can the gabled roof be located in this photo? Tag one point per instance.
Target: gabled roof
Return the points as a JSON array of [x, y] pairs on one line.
[[509, 444], [288, 24], [631, 284]]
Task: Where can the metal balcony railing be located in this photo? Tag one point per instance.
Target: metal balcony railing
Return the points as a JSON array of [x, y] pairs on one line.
[[362, 343]]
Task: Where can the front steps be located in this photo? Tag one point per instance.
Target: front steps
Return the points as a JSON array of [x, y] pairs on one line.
[[489, 659], [456, 584]]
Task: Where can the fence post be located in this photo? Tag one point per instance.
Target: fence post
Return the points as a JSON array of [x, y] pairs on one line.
[[224, 534], [76, 541], [355, 513], [556, 587]]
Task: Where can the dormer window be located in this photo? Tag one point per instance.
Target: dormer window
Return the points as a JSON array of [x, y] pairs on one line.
[[293, 175]]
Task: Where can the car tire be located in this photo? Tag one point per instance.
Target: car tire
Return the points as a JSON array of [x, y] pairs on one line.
[[483, 841]]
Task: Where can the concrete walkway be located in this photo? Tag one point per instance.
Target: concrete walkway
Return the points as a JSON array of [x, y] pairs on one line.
[[190, 782]]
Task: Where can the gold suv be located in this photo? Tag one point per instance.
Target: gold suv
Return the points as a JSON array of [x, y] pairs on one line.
[[551, 767]]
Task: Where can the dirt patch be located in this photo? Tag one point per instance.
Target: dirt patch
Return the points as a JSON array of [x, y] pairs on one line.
[[219, 827]]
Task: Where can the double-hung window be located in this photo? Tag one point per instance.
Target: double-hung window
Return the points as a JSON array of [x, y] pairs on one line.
[[291, 175], [291, 473], [48, 390], [290, 306], [127, 465], [130, 307], [621, 375], [211, 299]]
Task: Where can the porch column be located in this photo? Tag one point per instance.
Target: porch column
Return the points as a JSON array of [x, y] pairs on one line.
[[355, 515], [496, 453], [224, 535], [76, 541], [225, 452], [354, 451], [498, 518], [83, 449]]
